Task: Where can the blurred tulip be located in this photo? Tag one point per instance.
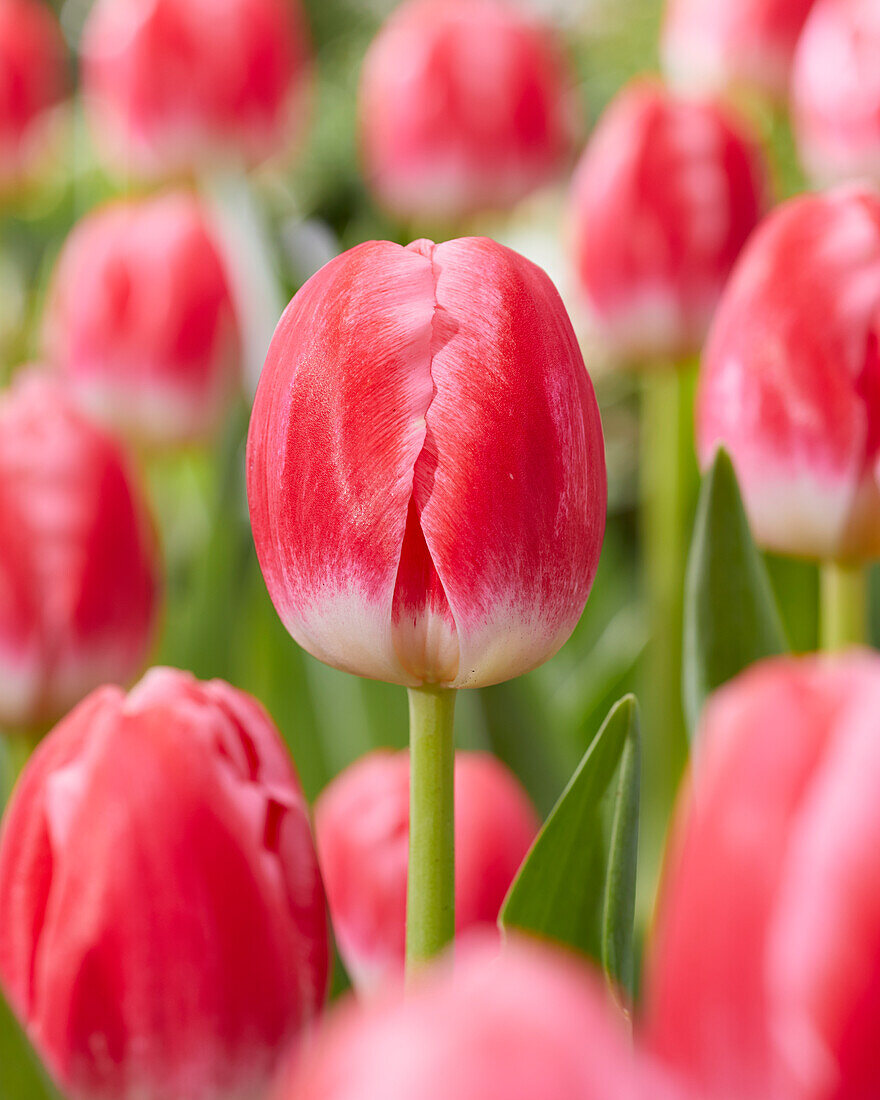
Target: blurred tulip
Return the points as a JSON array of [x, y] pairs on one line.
[[764, 975], [181, 86], [464, 106], [425, 465], [77, 558], [164, 930], [362, 826], [790, 381], [141, 322], [836, 90], [732, 45], [664, 198]]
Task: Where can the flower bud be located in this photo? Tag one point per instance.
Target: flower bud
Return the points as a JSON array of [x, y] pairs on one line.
[[790, 380], [362, 827], [77, 557], [164, 929], [141, 322], [426, 471], [763, 976], [464, 107]]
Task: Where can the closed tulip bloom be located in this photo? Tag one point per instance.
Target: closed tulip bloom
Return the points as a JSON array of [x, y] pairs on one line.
[[141, 322], [464, 107], [790, 381], [174, 87], [77, 557], [764, 968], [164, 932], [836, 91], [362, 826], [663, 200], [426, 471]]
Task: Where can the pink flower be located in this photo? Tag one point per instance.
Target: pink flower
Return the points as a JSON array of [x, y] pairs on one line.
[[164, 929], [790, 380], [362, 826], [141, 322], [836, 90], [77, 557], [180, 86], [463, 107], [425, 465], [765, 971]]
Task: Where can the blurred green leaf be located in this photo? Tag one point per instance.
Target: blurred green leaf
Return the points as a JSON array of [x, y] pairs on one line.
[[577, 883], [21, 1073], [730, 614]]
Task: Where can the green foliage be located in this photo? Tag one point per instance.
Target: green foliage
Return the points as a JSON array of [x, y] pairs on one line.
[[21, 1074]]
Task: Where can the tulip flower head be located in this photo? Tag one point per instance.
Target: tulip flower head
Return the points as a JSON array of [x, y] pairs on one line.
[[764, 970], [426, 472], [164, 930], [77, 557], [663, 200], [141, 321], [836, 91], [362, 827], [790, 380], [464, 107], [175, 87]]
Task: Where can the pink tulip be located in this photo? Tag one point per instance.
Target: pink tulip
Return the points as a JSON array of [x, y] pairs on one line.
[[180, 86], [463, 107], [362, 826], [141, 320], [425, 465], [836, 90], [164, 930], [744, 45], [766, 957], [662, 202], [77, 557], [790, 381]]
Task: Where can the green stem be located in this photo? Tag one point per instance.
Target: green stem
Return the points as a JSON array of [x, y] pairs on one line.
[[17, 748], [430, 895], [843, 605]]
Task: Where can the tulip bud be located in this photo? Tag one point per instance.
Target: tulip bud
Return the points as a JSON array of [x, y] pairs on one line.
[[836, 91], [463, 107], [77, 557], [426, 472], [141, 322], [164, 929], [663, 200], [790, 381], [763, 980], [362, 826], [173, 87]]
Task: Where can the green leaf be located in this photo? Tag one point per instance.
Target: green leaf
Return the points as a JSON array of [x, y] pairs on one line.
[[22, 1076], [730, 614], [577, 884]]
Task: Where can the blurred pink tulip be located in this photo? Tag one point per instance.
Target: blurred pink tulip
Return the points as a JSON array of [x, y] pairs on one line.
[[77, 557], [790, 381], [765, 970], [164, 931], [362, 827], [141, 322], [664, 198], [464, 106], [426, 470]]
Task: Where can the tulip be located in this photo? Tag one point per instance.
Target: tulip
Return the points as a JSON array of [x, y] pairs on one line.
[[141, 322], [464, 107], [77, 557], [164, 929], [362, 826], [179, 86], [836, 91], [763, 975]]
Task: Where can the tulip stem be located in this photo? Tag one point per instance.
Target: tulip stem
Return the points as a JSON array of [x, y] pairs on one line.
[[843, 605], [430, 895]]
